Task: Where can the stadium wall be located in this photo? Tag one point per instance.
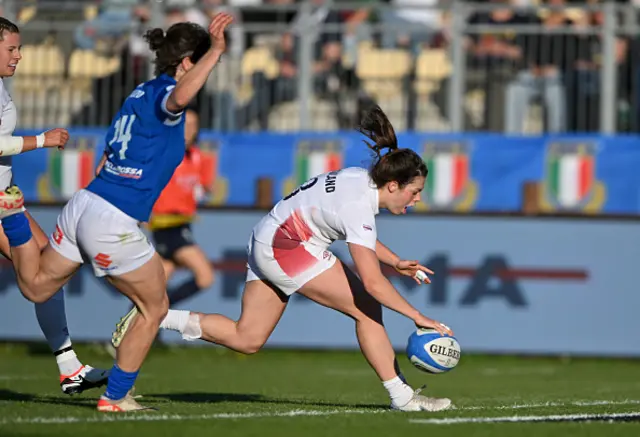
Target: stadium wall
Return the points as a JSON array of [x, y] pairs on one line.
[[468, 172], [504, 284]]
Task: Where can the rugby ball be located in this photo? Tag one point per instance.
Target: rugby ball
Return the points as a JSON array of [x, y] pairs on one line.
[[431, 352]]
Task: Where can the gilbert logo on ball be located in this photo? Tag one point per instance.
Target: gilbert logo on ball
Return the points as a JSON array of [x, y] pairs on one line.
[[431, 352]]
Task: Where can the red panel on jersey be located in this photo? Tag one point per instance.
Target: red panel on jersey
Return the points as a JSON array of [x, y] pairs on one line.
[[288, 249]]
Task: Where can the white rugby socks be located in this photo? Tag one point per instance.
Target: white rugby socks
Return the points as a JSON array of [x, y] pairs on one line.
[[184, 322], [53, 323], [175, 320], [68, 362], [399, 392]]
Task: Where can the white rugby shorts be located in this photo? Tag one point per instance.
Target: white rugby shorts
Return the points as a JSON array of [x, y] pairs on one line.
[[287, 265], [91, 229]]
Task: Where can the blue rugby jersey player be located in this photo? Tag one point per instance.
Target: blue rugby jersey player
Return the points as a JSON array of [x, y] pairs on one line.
[[101, 224], [145, 144]]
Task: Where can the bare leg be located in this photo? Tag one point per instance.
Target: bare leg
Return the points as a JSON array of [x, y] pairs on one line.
[[262, 307], [195, 260], [340, 289], [52, 319], [169, 268], [145, 287], [40, 276]]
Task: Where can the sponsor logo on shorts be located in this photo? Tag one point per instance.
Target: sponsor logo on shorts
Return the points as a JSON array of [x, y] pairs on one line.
[[187, 235], [103, 262], [132, 237], [57, 235], [367, 228], [326, 255]]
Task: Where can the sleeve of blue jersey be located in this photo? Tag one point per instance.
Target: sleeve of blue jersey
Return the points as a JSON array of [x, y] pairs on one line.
[[161, 106]]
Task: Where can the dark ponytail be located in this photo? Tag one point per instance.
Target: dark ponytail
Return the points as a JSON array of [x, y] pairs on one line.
[[182, 40], [376, 126], [399, 165]]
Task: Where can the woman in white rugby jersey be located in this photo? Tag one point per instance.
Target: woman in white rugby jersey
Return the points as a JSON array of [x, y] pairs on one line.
[[74, 377], [288, 253]]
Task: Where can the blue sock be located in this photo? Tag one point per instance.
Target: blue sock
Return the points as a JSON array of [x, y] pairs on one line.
[[120, 382], [16, 228]]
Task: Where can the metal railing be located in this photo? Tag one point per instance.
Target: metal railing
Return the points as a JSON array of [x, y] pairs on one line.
[[463, 67]]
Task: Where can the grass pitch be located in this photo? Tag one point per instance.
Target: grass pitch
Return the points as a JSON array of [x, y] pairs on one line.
[[212, 391]]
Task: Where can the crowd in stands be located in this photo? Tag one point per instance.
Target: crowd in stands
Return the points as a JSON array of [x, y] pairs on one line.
[[395, 52]]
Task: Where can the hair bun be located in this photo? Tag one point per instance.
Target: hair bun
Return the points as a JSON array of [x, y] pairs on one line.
[[155, 38]]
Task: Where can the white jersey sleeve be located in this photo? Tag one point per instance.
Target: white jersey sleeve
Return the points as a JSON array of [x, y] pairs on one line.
[[8, 113], [5, 98], [8, 121], [164, 114], [359, 224]]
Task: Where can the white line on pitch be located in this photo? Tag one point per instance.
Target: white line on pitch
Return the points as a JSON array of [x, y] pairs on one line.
[[179, 417], [549, 404], [512, 419], [152, 417]]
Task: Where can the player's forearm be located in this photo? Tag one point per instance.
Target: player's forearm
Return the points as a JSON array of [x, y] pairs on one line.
[[384, 292], [385, 255], [192, 81], [10, 145]]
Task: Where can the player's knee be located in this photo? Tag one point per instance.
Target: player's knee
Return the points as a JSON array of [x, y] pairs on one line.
[[372, 312], [158, 311], [366, 307], [30, 292], [205, 279], [163, 307], [375, 313], [31, 296], [169, 269], [252, 346]]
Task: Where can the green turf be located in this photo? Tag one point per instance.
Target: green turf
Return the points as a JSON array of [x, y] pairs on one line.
[[199, 386]]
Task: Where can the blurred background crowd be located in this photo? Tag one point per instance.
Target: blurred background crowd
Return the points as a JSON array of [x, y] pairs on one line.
[[507, 66]]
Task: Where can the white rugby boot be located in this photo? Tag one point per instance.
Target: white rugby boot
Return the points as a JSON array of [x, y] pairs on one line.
[[422, 403], [123, 405], [11, 201], [122, 326]]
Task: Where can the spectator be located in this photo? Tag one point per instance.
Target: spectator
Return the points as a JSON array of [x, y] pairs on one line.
[[542, 76], [493, 58], [327, 67], [584, 74], [115, 19], [410, 24]]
